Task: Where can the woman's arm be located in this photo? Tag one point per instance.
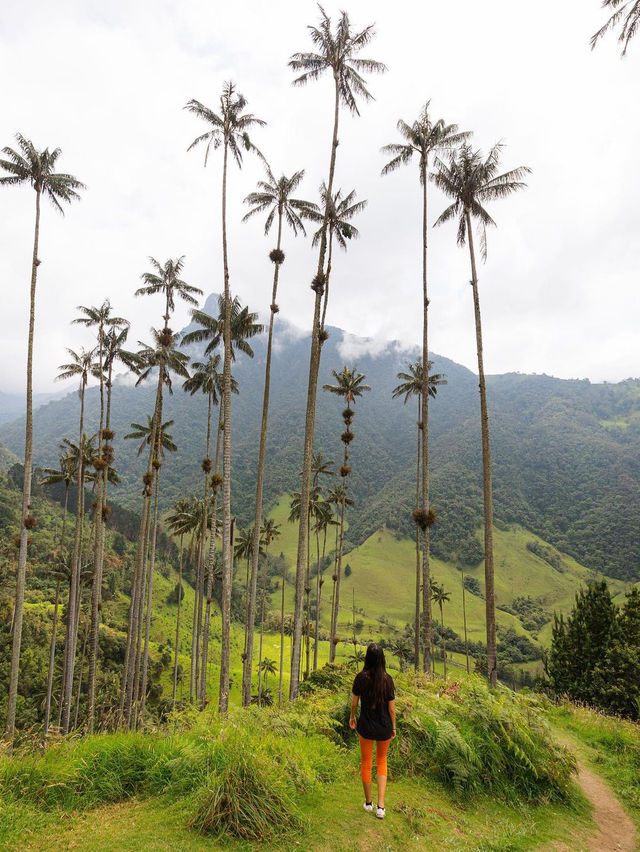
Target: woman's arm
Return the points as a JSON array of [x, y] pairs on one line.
[[354, 707], [392, 713]]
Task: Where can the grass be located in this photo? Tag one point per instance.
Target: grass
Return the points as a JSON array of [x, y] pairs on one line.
[[290, 777], [383, 572], [611, 746]]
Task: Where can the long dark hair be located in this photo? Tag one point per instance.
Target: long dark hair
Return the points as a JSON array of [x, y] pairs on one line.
[[375, 669]]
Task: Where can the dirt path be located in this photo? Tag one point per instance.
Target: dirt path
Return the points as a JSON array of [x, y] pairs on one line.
[[616, 831]]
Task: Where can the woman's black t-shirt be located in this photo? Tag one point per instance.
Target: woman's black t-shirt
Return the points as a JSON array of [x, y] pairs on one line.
[[374, 723]]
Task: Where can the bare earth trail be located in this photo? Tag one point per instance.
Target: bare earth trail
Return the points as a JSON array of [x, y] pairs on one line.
[[616, 831]]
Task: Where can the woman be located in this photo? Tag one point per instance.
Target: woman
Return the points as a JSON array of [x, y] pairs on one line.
[[377, 722]]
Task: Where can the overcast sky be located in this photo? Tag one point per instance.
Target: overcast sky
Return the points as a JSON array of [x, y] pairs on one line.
[[106, 82]]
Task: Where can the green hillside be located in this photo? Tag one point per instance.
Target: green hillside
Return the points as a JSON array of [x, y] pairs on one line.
[[566, 454]]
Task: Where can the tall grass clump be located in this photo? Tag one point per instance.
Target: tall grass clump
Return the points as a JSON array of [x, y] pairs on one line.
[[471, 739], [246, 795]]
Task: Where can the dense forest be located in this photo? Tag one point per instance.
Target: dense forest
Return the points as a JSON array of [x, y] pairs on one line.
[[566, 457]]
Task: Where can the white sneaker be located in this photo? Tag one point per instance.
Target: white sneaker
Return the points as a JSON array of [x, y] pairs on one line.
[[380, 812], [368, 807]]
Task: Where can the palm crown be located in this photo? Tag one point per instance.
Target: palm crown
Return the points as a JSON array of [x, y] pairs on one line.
[[28, 165], [411, 382], [473, 181], [275, 196], [423, 137], [166, 279], [163, 354], [243, 327], [207, 378], [337, 51], [349, 384], [340, 210], [81, 364], [145, 432], [627, 12], [229, 128]]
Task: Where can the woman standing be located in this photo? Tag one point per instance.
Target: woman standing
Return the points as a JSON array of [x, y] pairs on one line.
[[377, 722]]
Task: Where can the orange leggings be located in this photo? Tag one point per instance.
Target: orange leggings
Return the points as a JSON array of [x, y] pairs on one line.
[[366, 756]]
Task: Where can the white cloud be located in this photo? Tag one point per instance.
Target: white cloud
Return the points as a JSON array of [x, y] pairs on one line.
[[107, 83]]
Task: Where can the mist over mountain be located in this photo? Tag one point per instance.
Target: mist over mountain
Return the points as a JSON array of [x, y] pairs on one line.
[[566, 454]]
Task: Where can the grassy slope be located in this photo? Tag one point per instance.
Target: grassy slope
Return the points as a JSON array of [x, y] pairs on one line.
[[383, 571]]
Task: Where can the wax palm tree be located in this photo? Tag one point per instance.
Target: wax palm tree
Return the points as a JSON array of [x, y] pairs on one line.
[[424, 139], [322, 520], [412, 384], [275, 197], [626, 12], [336, 53], [439, 596], [164, 357], [27, 165], [80, 366], [102, 319], [349, 385], [268, 533], [471, 181], [340, 210], [229, 130]]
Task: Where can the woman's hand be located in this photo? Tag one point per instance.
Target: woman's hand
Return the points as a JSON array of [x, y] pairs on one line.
[[352, 723], [393, 735]]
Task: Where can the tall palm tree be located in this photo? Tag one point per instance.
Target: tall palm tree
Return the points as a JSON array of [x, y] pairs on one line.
[[340, 210], [424, 138], [27, 165], [80, 366], [471, 181], [100, 318], [412, 384], [349, 385], [164, 357], [334, 52], [268, 533], [626, 12], [229, 130], [275, 197], [439, 596]]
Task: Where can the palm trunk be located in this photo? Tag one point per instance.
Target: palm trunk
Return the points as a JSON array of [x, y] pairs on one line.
[[177, 642], [309, 428], [260, 650], [317, 618], [444, 644], [492, 664], [52, 646], [80, 672], [307, 593], [147, 629], [210, 574], [257, 520], [96, 589], [26, 496], [284, 574], [464, 621], [426, 573], [336, 585], [136, 589], [74, 585], [201, 569], [194, 625], [227, 555], [137, 669], [416, 649]]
